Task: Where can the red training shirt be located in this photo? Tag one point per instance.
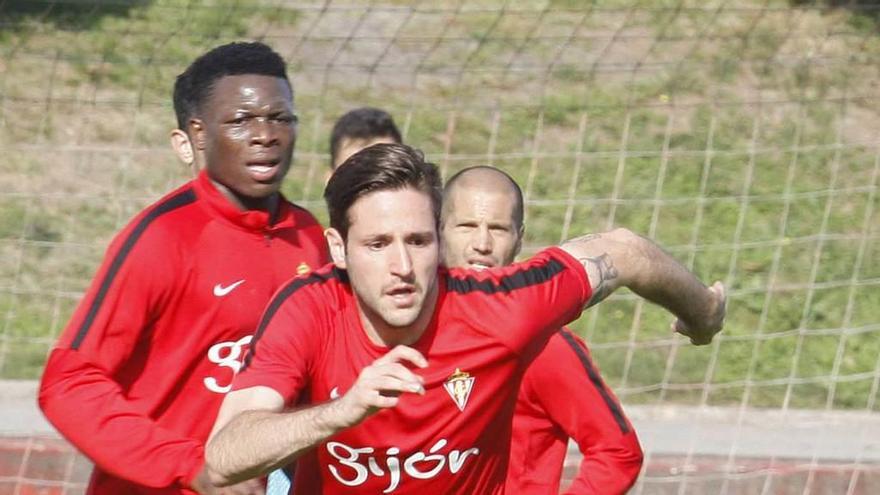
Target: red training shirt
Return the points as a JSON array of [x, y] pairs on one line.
[[140, 371], [563, 396], [455, 438]]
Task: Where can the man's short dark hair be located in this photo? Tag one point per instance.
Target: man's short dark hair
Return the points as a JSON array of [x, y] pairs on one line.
[[518, 208], [380, 167], [195, 84], [362, 123]]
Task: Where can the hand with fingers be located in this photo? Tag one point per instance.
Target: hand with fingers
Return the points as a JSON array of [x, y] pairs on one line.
[[380, 384], [705, 327]]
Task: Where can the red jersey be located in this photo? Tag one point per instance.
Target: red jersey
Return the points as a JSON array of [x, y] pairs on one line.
[[139, 373], [563, 396], [455, 438]]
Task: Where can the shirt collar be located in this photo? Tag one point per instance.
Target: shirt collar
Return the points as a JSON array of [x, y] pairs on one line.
[[255, 220]]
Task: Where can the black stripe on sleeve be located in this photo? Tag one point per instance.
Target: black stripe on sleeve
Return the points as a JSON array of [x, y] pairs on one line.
[[183, 198], [517, 280], [596, 380], [284, 294]]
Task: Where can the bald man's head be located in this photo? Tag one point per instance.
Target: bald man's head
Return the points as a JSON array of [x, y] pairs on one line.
[[490, 179], [482, 218]]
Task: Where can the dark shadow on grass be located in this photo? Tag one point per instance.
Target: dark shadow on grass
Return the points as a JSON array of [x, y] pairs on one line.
[[68, 15], [866, 12]]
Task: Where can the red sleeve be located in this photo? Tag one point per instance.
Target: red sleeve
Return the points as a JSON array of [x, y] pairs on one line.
[[525, 301], [285, 342], [567, 385], [79, 393]]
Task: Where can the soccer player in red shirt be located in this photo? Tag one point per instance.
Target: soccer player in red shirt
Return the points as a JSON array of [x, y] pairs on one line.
[[407, 373], [139, 373], [352, 132], [562, 395]]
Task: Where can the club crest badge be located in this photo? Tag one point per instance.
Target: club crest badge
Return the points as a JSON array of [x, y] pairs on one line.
[[459, 386], [303, 268]]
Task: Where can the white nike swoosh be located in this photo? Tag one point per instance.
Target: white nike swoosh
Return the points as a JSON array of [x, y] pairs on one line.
[[221, 291], [334, 394]]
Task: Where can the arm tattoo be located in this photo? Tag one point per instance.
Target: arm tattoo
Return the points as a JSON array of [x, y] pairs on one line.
[[606, 271]]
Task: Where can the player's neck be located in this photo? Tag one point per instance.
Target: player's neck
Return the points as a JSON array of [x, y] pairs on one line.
[[381, 333], [244, 203]]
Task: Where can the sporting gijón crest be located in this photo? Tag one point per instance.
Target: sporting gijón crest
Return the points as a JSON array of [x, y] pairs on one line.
[[459, 385]]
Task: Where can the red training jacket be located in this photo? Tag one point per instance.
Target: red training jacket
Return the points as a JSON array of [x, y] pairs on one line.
[[454, 439], [140, 371], [563, 396]]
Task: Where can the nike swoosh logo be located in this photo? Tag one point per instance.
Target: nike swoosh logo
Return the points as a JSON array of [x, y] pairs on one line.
[[334, 394], [221, 291]]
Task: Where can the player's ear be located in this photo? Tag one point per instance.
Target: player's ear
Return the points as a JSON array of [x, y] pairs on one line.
[[336, 244], [520, 234], [182, 146]]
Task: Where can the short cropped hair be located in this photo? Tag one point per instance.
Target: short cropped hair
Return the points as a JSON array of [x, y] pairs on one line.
[[518, 210], [362, 123], [193, 87], [380, 167]]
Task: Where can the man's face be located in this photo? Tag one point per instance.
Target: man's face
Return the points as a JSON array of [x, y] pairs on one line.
[[350, 146], [248, 129], [477, 229], [392, 253]]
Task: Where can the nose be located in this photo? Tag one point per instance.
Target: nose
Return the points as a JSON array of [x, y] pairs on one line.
[[263, 132], [400, 263], [482, 241]]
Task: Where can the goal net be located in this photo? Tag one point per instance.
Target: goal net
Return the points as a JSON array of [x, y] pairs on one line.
[[742, 136]]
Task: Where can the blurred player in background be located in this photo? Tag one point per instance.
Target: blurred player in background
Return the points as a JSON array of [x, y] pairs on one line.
[[562, 395], [358, 129], [137, 377], [413, 370]]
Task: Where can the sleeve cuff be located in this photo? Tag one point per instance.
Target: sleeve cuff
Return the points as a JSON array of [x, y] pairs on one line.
[[575, 266]]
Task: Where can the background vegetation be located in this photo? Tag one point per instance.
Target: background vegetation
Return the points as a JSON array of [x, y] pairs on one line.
[[741, 135]]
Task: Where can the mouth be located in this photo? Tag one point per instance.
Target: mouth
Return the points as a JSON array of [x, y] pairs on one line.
[[263, 170], [480, 264], [403, 296]]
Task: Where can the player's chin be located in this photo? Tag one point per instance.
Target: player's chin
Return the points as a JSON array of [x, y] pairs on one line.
[[402, 317], [260, 190]]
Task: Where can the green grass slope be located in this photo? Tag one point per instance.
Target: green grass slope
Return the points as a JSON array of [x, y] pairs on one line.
[[743, 138]]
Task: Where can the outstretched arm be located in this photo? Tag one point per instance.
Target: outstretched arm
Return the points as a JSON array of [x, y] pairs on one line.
[[253, 436], [620, 258]]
